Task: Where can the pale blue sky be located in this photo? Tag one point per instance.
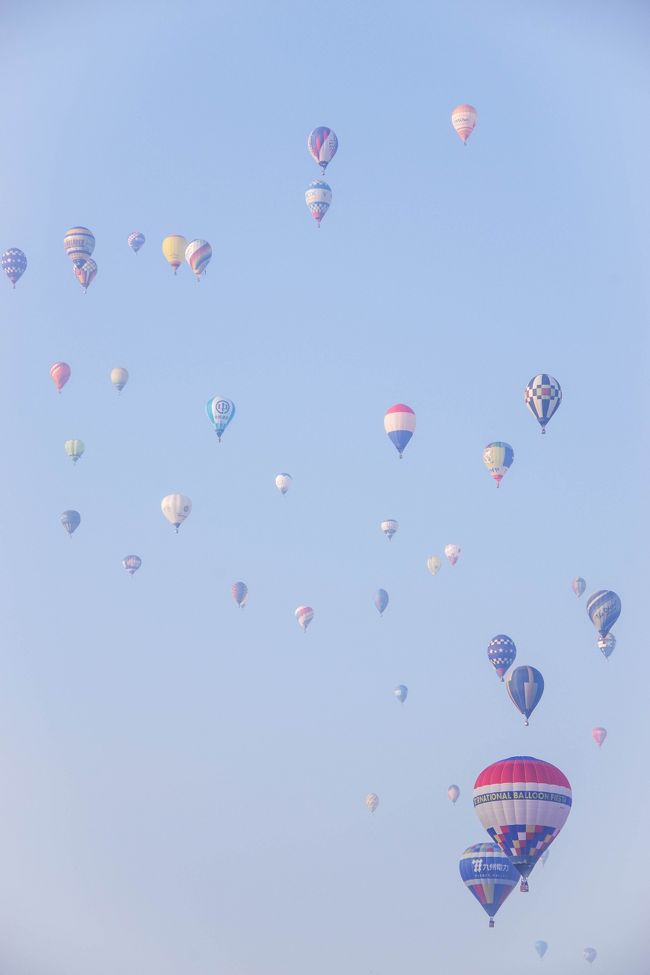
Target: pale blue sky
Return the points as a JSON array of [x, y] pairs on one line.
[[183, 784]]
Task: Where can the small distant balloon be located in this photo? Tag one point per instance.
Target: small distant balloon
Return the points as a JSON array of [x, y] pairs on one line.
[[322, 144], [578, 585], [318, 197], [453, 792], [463, 119], [453, 553], [389, 527], [79, 243], [136, 241], [543, 396], [434, 564], [599, 735], [14, 264], [304, 615], [541, 947], [74, 449], [119, 378], [498, 458], [239, 592], [197, 255], [372, 801], [589, 954], [176, 508], [604, 608], [70, 521], [501, 653], [381, 600], [607, 645], [401, 692], [525, 686], [60, 373], [220, 413], [85, 273], [132, 563], [399, 424], [283, 482], [173, 248]]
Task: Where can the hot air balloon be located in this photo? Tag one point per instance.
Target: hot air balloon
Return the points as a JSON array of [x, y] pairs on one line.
[[489, 875], [14, 264], [119, 378], [453, 792], [70, 521], [453, 553], [433, 565], [399, 424], [176, 508], [599, 735], [463, 119], [85, 273], [60, 373], [197, 255], [135, 241], [389, 527], [578, 585], [523, 803], [541, 948], [283, 482], [381, 600], [132, 563], [525, 687], [498, 458], [74, 449], [607, 645], [173, 248], [220, 412], [318, 197], [604, 608], [589, 954], [543, 396], [401, 692], [322, 144], [79, 243], [239, 592], [372, 801], [501, 653], [304, 615]]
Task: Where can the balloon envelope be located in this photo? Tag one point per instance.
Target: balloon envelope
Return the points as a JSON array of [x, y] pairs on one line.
[[14, 264], [173, 248], [135, 241], [525, 687], [318, 197], [498, 458], [239, 592], [453, 792], [220, 412], [401, 692], [304, 615], [589, 954], [578, 585], [176, 508], [489, 875], [389, 527], [60, 373], [599, 735], [463, 119], [372, 801], [197, 255], [543, 396], [607, 645], [85, 273], [541, 948], [132, 563], [501, 653], [283, 482], [523, 803], [453, 553], [79, 243], [119, 378], [434, 564], [322, 144], [381, 600], [70, 521], [74, 449], [399, 424], [604, 608]]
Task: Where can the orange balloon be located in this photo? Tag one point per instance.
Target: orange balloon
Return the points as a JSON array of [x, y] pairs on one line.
[[60, 373]]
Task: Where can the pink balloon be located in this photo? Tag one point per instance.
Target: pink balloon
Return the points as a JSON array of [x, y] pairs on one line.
[[599, 735]]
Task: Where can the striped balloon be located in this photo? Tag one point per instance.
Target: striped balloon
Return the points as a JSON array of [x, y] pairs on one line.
[[578, 585], [318, 197], [85, 273], [543, 396], [389, 527], [132, 563], [372, 801], [489, 875], [70, 521], [79, 243], [304, 615], [604, 608], [381, 600], [498, 458], [523, 803], [60, 373], [399, 424], [74, 449], [135, 241], [501, 653], [14, 264], [322, 144], [525, 686], [239, 592], [463, 119], [197, 255]]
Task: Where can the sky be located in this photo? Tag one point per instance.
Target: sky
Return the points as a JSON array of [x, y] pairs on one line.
[[183, 783]]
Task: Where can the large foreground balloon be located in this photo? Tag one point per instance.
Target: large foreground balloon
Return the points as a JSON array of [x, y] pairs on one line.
[[173, 248], [389, 527], [74, 449], [523, 803], [70, 521], [607, 645], [304, 615], [599, 735], [525, 686], [381, 600], [197, 255], [60, 373], [79, 243], [85, 273], [453, 793], [132, 563], [453, 553], [135, 241], [322, 144], [399, 424], [372, 801], [489, 875], [318, 197], [541, 947], [119, 378], [463, 119], [498, 458], [543, 396], [604, 608], [589, 954], [220, 412], [501, 653], [401, 692], [283, 482], [14, 264], [433, 565], [176, 508], [578, 585], [239, 592]]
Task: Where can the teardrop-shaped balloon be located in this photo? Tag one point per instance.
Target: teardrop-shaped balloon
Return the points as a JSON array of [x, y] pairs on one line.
[[453, 553], [85, 273], [381, 600], [541, 947], [589, 954], [304, 615], [79, 243], [14, 264], [318, 197], [607, 645], [173, 248], [453, 793], [197, 255], [599, 735], [401, 692], [578, 585], [176, 508], [70, 521], [283, 482], [399, 424], [498, 458], [74, 449], [389, 527], [119, 378], [501, 653], [463, 119], [132, 563], [543, 396], [239, 592], [60, 373], [604, 608], [488, 874], [525, 686], [322, 144], [220, 412], [136, 241], [434, 564], [372, 801]]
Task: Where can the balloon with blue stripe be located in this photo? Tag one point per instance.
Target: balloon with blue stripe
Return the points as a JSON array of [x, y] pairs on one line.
[[220, 412], [489, 875], [381, 600], [604, 608], [399, 424], [543, 396], [525, 686]]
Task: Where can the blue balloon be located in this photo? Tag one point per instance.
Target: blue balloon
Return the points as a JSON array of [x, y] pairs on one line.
[[381, 600], [70, 521], [401, 692], [541, 947], [525, 685], [501, 653], [489, 875], [604, 608], [220, 411]]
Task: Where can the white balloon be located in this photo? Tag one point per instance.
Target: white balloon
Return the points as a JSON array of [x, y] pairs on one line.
[[176, 508]]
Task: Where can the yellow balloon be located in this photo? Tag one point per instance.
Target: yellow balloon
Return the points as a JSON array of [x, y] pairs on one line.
[[173, 248]]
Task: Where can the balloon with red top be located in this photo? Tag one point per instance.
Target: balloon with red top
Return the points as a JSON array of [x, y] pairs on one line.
[[463, 119], [399, 424]]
